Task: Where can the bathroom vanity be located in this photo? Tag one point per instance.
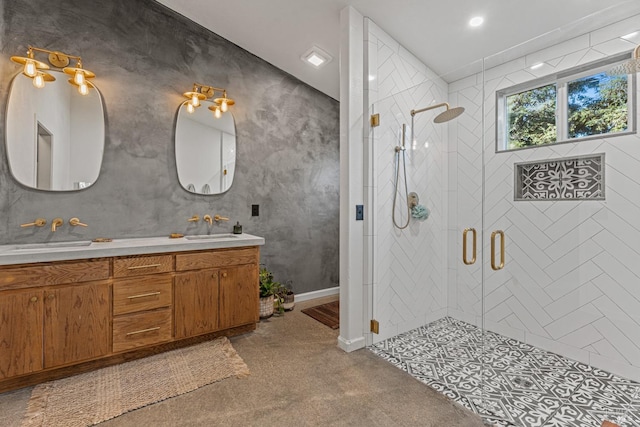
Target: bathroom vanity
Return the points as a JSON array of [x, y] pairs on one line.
[[71, 308]]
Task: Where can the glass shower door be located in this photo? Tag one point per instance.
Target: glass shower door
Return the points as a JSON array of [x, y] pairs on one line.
[[561, 309]]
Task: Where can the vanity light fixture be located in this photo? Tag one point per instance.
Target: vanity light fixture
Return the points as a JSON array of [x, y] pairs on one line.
[[33, 68], [202, 92]]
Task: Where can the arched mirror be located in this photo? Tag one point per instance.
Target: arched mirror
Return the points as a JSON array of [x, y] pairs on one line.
[[205, 150], [54, 135]]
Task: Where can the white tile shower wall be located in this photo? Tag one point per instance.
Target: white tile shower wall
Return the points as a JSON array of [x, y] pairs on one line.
[[570, 284], [408, 267]]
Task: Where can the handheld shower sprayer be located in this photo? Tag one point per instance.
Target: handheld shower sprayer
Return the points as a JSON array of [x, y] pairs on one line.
[[401, 149]]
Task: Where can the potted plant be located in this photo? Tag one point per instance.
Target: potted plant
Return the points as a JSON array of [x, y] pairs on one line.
[[285, 297], [268, 289]]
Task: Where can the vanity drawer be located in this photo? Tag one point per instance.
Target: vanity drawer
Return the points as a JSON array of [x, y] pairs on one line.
[[219, 258], [56, 273], [141, 329], [142, 293], [141, 265]]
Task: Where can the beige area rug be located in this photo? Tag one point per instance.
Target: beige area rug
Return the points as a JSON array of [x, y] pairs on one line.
[[88, 399]]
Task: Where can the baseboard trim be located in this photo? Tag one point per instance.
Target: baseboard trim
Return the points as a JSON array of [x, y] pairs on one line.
[[317, 294], [351, 345]]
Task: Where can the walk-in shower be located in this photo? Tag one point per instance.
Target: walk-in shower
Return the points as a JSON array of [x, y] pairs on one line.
[[551, 336]]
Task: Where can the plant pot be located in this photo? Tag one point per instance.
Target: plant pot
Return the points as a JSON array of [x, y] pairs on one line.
[[289, 302], [266, 307]]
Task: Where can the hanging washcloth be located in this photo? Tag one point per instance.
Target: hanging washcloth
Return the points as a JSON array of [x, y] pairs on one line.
[[420, 212]]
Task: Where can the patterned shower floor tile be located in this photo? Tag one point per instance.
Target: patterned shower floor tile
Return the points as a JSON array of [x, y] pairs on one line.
[[508, 382]]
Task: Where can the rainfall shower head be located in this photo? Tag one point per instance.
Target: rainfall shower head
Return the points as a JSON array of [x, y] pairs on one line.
[[445, 116], [631, 66], [448, 114]]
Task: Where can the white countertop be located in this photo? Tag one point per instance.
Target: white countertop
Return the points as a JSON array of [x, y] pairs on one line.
[[62, 251]]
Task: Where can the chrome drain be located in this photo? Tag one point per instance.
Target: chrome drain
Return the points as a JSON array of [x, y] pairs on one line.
[[522, 382]]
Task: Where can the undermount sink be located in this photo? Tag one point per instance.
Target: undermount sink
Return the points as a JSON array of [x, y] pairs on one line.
[[212, 236], [51, 245]]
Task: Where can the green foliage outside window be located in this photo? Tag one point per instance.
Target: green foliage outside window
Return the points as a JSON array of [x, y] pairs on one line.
[[531, 117], [597, 105]]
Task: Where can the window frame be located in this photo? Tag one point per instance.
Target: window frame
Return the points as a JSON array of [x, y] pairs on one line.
[[561, 80]]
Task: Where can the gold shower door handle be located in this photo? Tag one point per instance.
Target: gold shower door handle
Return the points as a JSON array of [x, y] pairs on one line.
[[493, 250], [464, 246]]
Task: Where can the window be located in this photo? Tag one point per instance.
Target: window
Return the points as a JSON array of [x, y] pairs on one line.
[[580, 103]]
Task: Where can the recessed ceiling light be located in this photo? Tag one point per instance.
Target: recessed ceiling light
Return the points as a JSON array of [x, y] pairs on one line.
[[371, 77], [316, 57], [536, 66], [630, 35], [476, 21]]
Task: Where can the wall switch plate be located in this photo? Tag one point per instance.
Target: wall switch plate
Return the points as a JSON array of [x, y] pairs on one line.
[[359, 212], [255, 210]]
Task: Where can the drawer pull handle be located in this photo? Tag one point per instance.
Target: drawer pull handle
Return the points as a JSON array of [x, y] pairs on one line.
[[138, 267], [150, 294], [34, 299], [142, 331]]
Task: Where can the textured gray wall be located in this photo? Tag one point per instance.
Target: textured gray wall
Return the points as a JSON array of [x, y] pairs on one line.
[[145, 56]]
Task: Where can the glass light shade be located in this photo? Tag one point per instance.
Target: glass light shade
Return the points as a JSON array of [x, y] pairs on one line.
[[217, 113], [83, 88], [78, 78], [223, 106], [195, 101], [190, 108], [30, 68], [38, 81]]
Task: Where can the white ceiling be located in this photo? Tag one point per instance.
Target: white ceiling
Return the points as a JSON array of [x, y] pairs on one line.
[[437, 32]]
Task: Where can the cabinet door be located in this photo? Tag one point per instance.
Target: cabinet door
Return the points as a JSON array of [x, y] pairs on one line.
[[196, 303], [239, 303], [76, 323], [20, 332]]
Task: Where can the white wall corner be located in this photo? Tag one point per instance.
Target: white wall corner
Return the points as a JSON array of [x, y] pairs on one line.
[[351, 179], [351, 345]]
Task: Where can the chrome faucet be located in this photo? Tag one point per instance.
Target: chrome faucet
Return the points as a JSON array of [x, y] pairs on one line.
[[56, 223]]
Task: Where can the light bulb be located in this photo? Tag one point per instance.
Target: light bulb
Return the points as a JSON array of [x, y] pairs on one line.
[[78, 78], [38, 81], [30, 68], [190, 108], [83, 88], [195, 101], [223, 106], [217, 113]]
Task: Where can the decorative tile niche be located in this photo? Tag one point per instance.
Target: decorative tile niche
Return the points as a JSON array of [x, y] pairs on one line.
[[574, 178]]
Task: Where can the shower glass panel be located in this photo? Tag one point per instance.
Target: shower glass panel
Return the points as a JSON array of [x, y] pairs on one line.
[[407, 269], [561, 305]]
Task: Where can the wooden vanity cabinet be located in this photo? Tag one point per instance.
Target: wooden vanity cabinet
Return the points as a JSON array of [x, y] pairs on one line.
[[239, 302], [53, 314], [142, 301], [21, 314], [196, 303], [66, 317], [76, 323], [216, 290]]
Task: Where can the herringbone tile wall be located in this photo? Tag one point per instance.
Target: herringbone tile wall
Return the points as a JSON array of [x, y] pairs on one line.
[[408, 267], [571, 283]]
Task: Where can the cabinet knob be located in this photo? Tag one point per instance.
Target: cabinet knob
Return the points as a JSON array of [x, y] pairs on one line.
[[34, 299], [224, 274], [51, 296]]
